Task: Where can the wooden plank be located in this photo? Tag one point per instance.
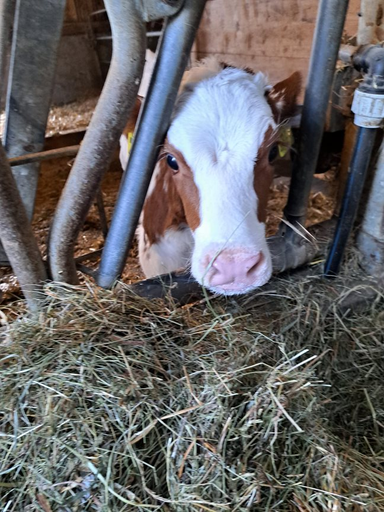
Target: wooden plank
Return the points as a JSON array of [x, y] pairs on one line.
[[70, 13], [274, 36], [84, 9]]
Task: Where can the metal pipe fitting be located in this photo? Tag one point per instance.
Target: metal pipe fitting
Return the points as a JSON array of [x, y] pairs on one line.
[[328, 32], [175, 46], [17, 237], [152, 10], [108, 121], [368, 107]]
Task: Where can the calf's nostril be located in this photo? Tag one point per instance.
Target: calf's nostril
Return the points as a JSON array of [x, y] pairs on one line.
[[234, 269], [252, 265]]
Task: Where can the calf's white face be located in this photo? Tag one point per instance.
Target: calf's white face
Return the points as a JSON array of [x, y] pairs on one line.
[[213, 176]]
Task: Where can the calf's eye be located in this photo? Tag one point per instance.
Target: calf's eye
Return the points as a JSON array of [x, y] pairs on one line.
[[273, 153], [172, 163]]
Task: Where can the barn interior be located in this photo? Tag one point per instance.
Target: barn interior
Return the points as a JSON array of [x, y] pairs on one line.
[[115, 400], [250, 42]]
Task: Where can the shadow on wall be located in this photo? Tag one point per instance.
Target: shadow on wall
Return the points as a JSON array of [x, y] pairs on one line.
[[77, 71]]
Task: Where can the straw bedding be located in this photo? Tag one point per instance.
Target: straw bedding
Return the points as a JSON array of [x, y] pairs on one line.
[[270, 402]]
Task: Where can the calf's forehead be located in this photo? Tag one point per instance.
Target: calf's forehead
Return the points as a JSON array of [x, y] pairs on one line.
[[222, 123]]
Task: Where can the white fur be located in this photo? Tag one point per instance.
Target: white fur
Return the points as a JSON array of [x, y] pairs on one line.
[[219, 130], [124, 153], [172, 252], [150, 60]]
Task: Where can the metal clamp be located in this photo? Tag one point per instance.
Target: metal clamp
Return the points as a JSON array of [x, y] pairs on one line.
[[368, 109]]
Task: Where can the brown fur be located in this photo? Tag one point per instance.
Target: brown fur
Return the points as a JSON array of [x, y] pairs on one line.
[[286, 93], [179, 203], [263, 174]]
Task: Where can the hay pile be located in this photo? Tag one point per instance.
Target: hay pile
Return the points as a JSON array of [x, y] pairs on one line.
[[272, 402]]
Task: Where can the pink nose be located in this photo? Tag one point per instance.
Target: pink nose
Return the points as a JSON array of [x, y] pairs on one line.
[[231, 270]]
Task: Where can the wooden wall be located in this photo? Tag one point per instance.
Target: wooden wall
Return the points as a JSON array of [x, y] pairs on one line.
[[77, 15], [273, 36]]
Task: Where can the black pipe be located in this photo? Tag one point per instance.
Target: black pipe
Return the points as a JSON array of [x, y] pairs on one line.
[[369, 59], [357, 173], [175, 46], [326, 42]]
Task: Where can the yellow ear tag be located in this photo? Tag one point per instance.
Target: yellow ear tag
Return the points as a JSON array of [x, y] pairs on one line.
[[130, 141], [285, 141]]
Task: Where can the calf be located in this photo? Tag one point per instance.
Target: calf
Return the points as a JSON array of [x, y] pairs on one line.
[[206, 204]]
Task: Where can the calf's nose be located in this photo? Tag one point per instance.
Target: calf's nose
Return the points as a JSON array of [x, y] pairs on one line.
[[234, 270]]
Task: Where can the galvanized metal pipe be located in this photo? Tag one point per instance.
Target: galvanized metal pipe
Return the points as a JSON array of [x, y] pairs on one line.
[[175, 47], [328, 32], [116, 101], [101, 138], [40, 156], [17, 237], [36, 38], [7, 8]]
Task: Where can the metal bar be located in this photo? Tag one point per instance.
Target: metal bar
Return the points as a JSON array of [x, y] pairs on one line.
[[328, 32], [89, 256], [358, 170], [175, 47], [112, 111], [102, 214], [17, 237], [35, 44], [7, 8], [44, 155], [148, 34]]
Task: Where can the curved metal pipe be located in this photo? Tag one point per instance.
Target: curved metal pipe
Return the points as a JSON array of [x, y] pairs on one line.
[[175, 47], [17, 237], [112, 111]]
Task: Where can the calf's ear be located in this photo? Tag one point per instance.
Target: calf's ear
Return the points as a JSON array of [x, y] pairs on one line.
[[283, 96]]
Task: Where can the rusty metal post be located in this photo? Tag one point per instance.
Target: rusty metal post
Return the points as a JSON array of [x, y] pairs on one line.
[[127, 21], [17, 237]]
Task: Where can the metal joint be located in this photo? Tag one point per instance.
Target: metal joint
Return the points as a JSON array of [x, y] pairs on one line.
[[152, 10]]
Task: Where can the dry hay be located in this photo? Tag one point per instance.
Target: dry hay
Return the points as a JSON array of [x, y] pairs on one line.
[[72, 116], [63, 118], [271, 402]]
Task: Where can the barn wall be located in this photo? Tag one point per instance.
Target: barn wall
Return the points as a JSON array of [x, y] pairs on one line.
[[273, 36], [78, 70]]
